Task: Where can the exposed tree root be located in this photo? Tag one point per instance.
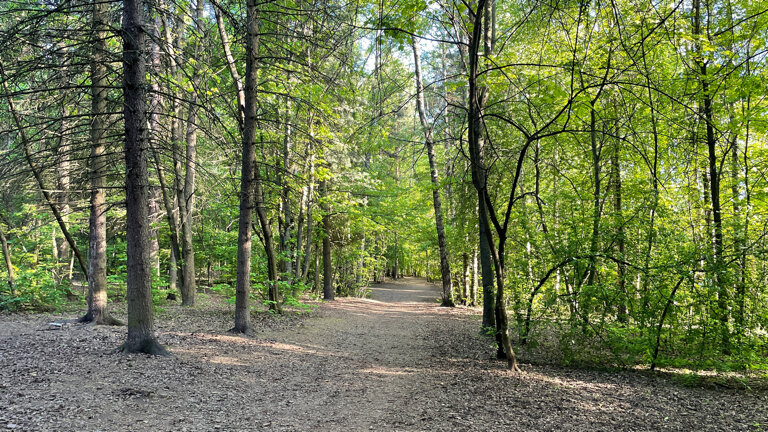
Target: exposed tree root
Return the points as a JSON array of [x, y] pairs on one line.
[[147, 346], [107, 320], [243, 331]]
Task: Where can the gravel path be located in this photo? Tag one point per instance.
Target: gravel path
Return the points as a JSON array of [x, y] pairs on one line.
[[393, 362]]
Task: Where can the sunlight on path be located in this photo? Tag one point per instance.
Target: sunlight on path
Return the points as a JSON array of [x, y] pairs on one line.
[[406, 290]]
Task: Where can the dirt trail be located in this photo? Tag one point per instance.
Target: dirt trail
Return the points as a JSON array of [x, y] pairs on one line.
[[393, 362]]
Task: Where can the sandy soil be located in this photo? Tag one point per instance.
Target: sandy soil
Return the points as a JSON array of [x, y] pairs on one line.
[[394, 362]]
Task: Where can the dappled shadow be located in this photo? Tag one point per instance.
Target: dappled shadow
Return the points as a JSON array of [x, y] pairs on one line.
[[406, 290], [394, 362]]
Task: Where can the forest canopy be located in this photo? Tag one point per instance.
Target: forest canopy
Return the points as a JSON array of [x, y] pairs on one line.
[[591, 173]]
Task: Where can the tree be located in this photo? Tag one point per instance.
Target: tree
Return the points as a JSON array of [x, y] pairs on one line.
[[97, 222], [247, 174], [141, 337], [445, 262]]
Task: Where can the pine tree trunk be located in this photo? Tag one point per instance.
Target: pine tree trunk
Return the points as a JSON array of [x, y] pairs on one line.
[[247, 179], [328, 291], [141, 336], [269, 244], [97, 222], [7, 258]]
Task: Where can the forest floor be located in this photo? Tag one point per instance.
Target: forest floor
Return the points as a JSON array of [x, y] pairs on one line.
[[393, 362]]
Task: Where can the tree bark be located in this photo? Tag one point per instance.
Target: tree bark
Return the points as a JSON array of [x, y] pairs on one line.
[[719, 272], [445, 263], [269, 245], [170, 200], [585, 300], [621, 309], [492, 260], [172, 225], [7, 259], [187, 199], [97, 222], [231, 66], [141, 336], [328, 291], [247, 179], [63, 180], [310, 220], [473, 285]]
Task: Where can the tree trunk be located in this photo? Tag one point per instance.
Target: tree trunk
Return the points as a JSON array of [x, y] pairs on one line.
[[155, 215], [269, 244], [286, 249], [63, 182], [38, 176], [621, 310], [465, 276], [316, 275], [360, 263], [141, 336], [328, 291], [97, 222], [477, 99], [7, 259], [231, 66], [187, 196], [585, 300], [247, 179], [445, 263], [297, 258], [719, 273], [310, 222], [473, 286]]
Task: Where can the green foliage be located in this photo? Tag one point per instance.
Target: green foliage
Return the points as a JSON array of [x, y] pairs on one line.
[[34, 290]]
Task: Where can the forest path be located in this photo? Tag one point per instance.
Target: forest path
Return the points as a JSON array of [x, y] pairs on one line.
[[393, 362]]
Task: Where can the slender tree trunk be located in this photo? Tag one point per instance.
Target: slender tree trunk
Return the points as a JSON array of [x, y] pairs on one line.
[[63, 180], [651, 239], [97, 222], [328, 291], [718, 262], [445, 262], [39, 178], [316, 275], [172, 225], [286, 249], [231, 66], [7, 259], [473, 286], [170, 199], [742, 286], [187, 196], [586, 300], [141, 336], [175, 50], [269, 244], [247, 179], [297, 258], [310, 206], [360, 263], [621, 311], [477, 100], [155, 215], [465, 279], [484, 32]]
